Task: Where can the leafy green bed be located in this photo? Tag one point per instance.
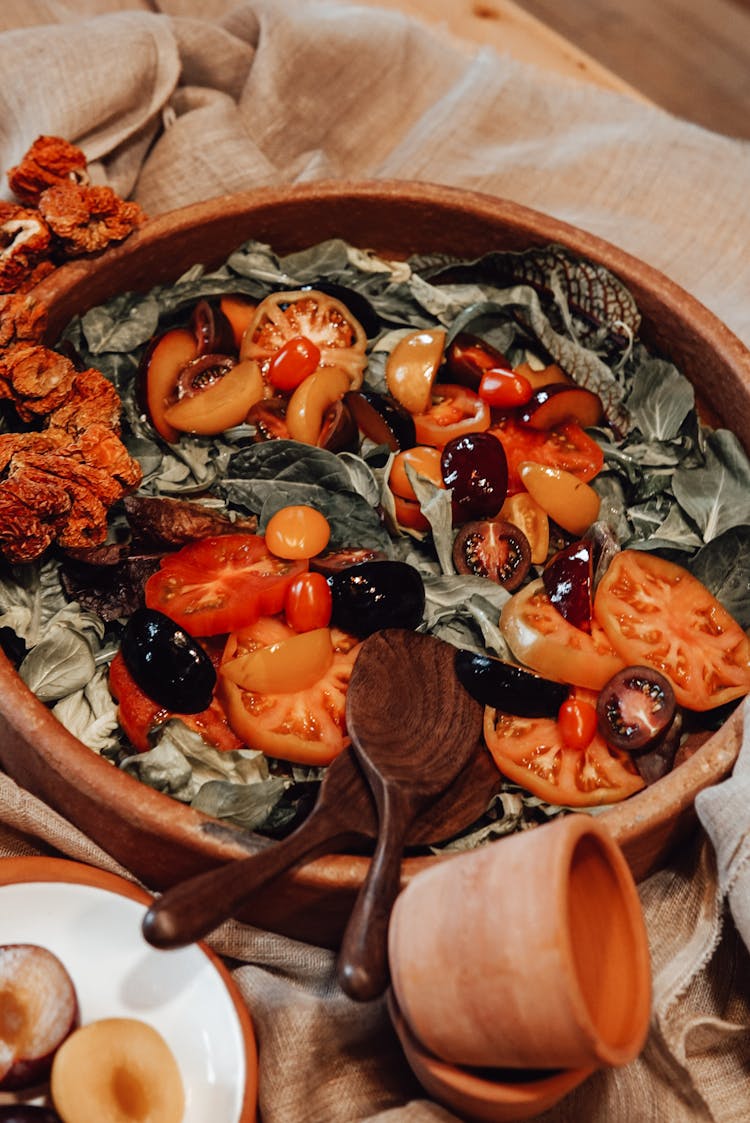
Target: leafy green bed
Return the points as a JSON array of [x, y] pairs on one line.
[[670, 486]]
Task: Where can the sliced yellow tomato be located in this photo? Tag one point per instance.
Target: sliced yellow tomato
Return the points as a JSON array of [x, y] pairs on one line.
[[539, 636], [308, 726], [573, 504], [657, 614], [292, 664], [534, 753], [525, 513]]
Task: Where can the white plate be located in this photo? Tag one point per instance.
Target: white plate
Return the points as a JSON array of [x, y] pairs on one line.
[[184, 994]]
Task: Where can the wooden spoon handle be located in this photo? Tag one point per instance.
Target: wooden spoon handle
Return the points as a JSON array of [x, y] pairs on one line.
[[191, 909], [362, 964]]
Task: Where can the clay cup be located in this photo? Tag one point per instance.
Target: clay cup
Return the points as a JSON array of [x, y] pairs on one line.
[[530, 953]]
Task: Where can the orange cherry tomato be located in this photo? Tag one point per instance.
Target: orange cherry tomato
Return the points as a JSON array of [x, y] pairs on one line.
[[424, 459], [455, 410], [293, 362], [297, 532], [504, 389], [409, 514], [308, 603], [577, 723]]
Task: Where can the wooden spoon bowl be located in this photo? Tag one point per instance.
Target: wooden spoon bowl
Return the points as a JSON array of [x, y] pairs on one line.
[[162, 841]]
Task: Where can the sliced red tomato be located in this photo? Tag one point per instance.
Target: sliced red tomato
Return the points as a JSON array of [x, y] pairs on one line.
[[539, 636], [657, 614], [139, 716], [533, 753], [307, 726], [566, 446], [218, 585], [455, 410], [320, 319]]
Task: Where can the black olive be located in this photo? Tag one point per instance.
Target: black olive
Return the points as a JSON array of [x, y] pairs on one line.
[[167, 663], [358, 305], [495, 549], [507, 687], [28, 1113], [375, 595], [381, 418], [635, 708]]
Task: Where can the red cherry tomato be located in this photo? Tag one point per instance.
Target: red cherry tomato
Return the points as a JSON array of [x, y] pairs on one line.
[[297, 532], [577, 722], [455, 410], [504, 389], [308, 603], [293, 362]]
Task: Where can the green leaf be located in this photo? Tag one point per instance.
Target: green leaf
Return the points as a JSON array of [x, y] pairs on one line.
[[660, 400], [716, 496]]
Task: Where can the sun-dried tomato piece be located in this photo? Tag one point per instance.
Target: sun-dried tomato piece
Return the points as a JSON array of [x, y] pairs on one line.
[[87, 219], [21, 319], [24, 240], [50, 160]]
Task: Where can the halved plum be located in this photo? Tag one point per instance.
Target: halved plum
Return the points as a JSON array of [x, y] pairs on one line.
[[557, 403], [569, 583], [468, 357], [381, 418]]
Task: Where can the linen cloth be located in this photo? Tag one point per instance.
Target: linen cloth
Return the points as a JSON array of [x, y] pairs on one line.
[[174, 102]]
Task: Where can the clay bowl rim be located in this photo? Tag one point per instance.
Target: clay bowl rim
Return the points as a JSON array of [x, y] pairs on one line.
[[73, 286]]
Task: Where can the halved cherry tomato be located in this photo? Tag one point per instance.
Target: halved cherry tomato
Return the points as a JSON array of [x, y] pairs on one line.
[[159, 370], [140, 717], [239, 310], [297, 532], [409, 514], [504, 389], [568, 501], [308, 602], [567, 447], [293, 362], [577, 721], [525, 513], [220, 584], [533, 753], [320, 318], [455, 410], [424, 459], [307, 727], [412, 366], [544, 640], [655, 613]]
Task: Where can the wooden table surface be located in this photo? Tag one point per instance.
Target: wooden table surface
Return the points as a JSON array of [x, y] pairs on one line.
[[692, 57]]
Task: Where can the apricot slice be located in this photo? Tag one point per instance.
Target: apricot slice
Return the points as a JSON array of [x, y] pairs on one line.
[[412, 366], [285, 667], [38, 1009], [120, 1070], [161, 366], [221, 405]]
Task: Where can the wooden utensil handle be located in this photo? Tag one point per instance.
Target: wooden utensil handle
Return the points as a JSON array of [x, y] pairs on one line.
[[191, 909], [362, 965]]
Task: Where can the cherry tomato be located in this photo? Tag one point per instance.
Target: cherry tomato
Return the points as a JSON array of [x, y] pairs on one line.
[[566, 446], [469, 356], [493, 549], [412, 366], [658, 615], [308, 603], [293, 362], [424, 459], [409, 514], [140, 717], [317, 317], [220, 584], [542, 639], [307, 726], [577, 721], [571, 503], [297, 532], [533, 753], [636, 708], [455, 410], [504, 389]]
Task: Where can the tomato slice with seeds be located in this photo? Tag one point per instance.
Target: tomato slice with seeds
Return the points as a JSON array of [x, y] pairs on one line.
[[541, 638], [306, 727], [566, 446], [534, 753], [320, 319], [655, 613], [220, 584], [455, 410]]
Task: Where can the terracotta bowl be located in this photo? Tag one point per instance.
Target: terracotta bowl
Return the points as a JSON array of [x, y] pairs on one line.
[[162, 841], [486, 1095]]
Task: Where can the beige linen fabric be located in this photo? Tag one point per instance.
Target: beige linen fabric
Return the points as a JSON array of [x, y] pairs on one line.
[[177, 101]]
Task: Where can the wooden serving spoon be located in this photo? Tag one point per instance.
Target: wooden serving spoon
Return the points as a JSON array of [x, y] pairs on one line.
[[414, 728], [344, 814]]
